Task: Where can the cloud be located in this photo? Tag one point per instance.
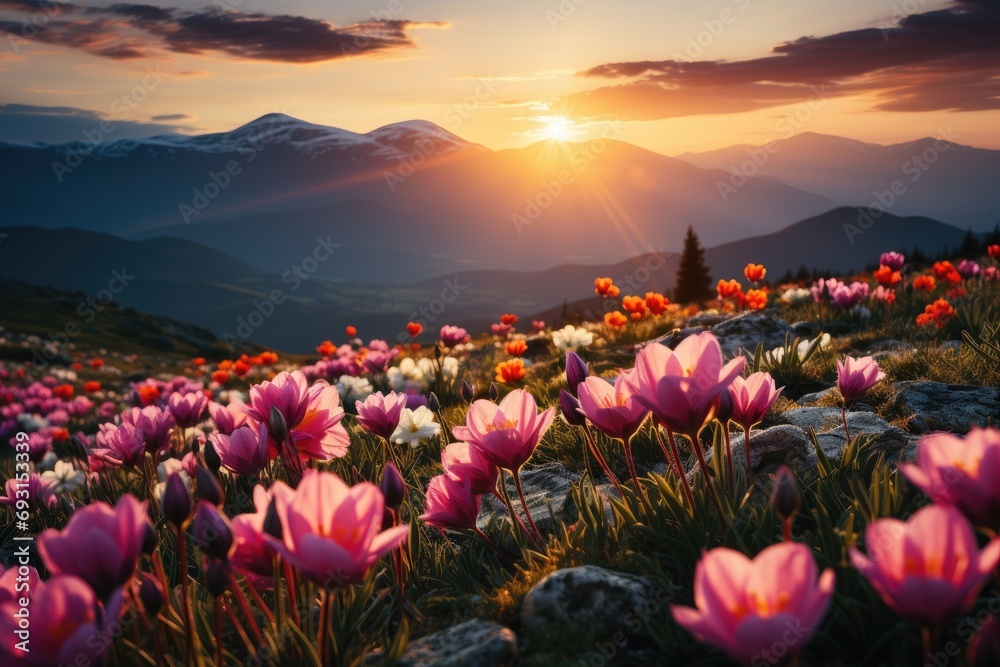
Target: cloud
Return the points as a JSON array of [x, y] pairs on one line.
[[173, 116], [127, 31], [63, 124], [946, 59]]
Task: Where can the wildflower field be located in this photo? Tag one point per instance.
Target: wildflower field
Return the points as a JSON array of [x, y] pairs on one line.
[[798, 473]]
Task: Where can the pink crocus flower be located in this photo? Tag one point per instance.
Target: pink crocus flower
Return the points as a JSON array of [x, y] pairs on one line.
[[928, 569], [856, 376], [452, 335], [187, 409], [612, 409], [681, 387], [228, 418], [461, 462], [9, 584], [964, 473], [379, 414], [745, 607], [752, 398], [156, 424], [506, 434], [100, 544], [68, 624], [450, 503], [893, 260], [38, 492], [332, 533], [252, 554], [967, 268], [244, 452], [124, 446]]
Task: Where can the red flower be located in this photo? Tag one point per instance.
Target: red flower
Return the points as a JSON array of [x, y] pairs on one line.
[[508, 319], [148, 394], [615, 319], [60, 435], [756, 299], [516, 348], [509, 372], [351, 331], [635, 306], [656, 303], [994, 251], [63, 391], [925, 283], [197, 361], [220, 377], [414, 328], [92, 386], [728, 289], [937, 313], [326, 348], [754, 272], [241, 367], [606, 287], [96, 363], [886, 277]]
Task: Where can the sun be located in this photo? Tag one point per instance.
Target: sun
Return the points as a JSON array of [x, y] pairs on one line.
[[558, 128]]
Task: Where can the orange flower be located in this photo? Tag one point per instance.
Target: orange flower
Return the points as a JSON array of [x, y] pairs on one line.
[[635, 306], [953, 277], [63, 391], [509, 319], [754, 272], [925, 283], [269, 357], [606, 287], [727, 289], [96, 363], [326, 348], [220, 377], [92, 386], [886, 277], [656, 303], [198, 361], [351, 331], [414, 328], [509, 372], [956, 292], [60, 435], [941, 269], [937, 313], [516, 348], [994, 251], [756, 299], [241, 368], [76, 366], [615, 319], [148, 394]]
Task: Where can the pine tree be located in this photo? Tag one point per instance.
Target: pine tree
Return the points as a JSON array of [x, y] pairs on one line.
[[693, 277]]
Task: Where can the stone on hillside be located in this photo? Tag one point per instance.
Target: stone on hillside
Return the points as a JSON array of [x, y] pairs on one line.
[[474, 643], [888, 438], [948, 407], [546, 486], [769, 449], [749, 330], [817, 396], [590, 603]]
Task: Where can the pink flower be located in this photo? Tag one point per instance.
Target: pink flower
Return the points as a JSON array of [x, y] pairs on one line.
[[332, 532], [68, 626], [379, 414], [928, 569], [452, 335], [893, 260], [252, 554], [506, 434], [124, 446], [38, 492], [745, 607], [752, 397], [156, 424], [856, 376], [450, 503], [9, 584], [964, 473], [463, 462], [187, 408], [612, 408], [100, 544], [228, 418], [681, 387], [967, 268], [244, 452]]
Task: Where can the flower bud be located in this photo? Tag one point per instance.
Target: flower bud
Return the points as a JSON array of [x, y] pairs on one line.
[[494, 392], [209, 488], [568, 406], [433, 404], [212, 459], [151, 595], [216, 576], [576, 371], [468, 391], [272, 522], [785, 498], [176, 502], [277, 425], [985, 649], [150, 539], [392, 485], [212, 533], [388, 518], [726, 407]]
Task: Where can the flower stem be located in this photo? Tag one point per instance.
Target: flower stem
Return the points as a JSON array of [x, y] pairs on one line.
[[675, 454], [706, 475], [601, 461], [323, 637], [630, 461], [843, 416], [524, 504], [747, 428], [730, 482], [185, 597]]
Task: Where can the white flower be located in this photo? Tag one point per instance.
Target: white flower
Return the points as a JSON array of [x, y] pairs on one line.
[[778, 353], [65, 477], [353, 388], [796, 295], [414, 426], [571, 338], [164, 470]]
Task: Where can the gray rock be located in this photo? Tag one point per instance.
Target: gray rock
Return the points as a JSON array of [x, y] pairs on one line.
[[471, 644], [948, 407], [820, 419], [546, 490], [890, 345], [888, 438], [589, 603], [707, 319], [749, 330], [769, 449], [817, 396], [805, 329]]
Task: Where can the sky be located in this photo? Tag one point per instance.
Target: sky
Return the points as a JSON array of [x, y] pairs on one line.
[[669, 75]]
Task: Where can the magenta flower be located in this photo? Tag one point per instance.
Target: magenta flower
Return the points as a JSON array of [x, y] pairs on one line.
[[746, 607], [856, 376], [506, 434], [228, 418], [9, 584], [893, 260], [450, 503], [681, 387], [332, 533], [613, 409], [100, 544], [379, 414], [68, 625], [463, 462], [964, 473], [187, 409], [452, 335], [929, 569], [752, 398], [967, 268], [253, 555], [38, 492], [156, 424], [124, 446], [244, 452]]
